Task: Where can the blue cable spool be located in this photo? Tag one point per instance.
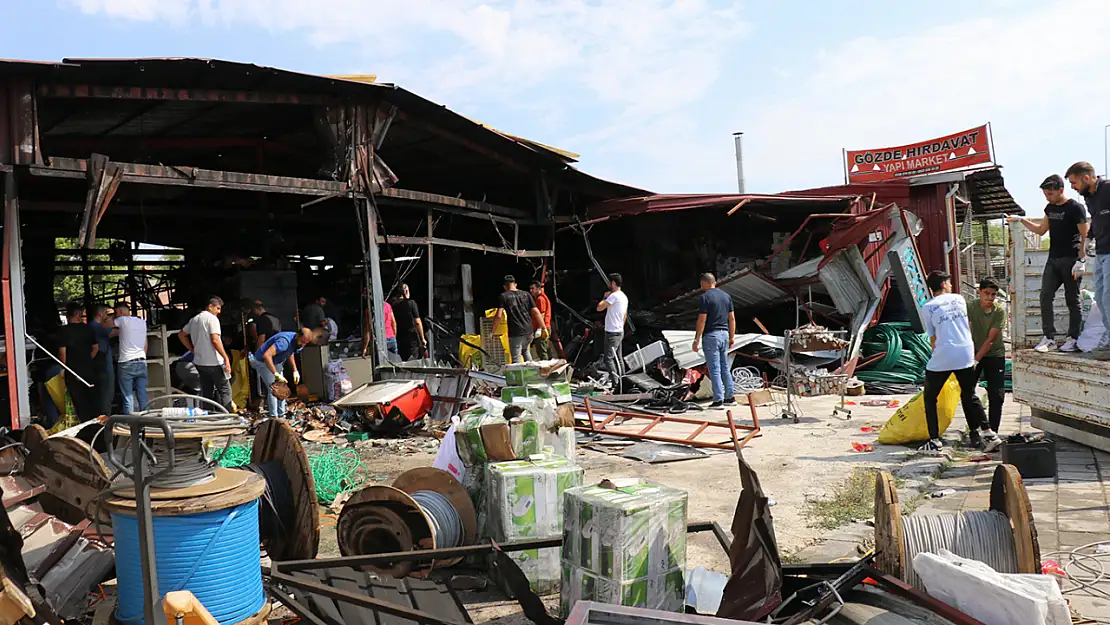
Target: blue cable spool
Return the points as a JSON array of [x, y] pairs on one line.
[[214, 554]]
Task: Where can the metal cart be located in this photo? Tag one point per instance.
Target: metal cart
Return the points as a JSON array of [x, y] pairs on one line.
[[795, 381]]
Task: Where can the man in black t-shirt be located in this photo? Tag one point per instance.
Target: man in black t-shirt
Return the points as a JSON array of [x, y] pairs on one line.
[[77, 347], [410, 329], [1065, 222], [518, 310], [1096, 193]]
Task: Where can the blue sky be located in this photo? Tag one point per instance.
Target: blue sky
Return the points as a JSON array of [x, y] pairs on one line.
[[650, 91]]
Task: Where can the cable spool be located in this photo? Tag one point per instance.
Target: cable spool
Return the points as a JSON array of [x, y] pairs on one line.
[[425, 508], [208, 545], [1003, 537], [290, 514]]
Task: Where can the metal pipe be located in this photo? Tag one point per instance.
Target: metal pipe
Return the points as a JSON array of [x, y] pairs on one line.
[[738, 141]]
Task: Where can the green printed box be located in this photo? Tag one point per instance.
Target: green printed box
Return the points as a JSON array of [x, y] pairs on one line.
[[524, 500], [542, 372], [559, 391], [468, 436], [666, 591], [626, 532]]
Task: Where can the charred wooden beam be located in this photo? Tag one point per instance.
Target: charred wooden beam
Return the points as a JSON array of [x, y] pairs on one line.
[[186, 95]]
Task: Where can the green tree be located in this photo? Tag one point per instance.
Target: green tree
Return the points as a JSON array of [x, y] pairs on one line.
[[72, 287]]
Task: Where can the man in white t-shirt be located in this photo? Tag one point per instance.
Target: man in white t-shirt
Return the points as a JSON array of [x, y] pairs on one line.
[[132, 372], [203, 337], [615, 306], [953, 354]]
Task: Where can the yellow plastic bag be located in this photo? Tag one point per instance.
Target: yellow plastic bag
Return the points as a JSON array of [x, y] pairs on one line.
[[908, 425], [240, 379], [56, 388], [469, 356]]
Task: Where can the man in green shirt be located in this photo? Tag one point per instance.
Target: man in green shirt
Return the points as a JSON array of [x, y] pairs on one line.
[[987, 319]]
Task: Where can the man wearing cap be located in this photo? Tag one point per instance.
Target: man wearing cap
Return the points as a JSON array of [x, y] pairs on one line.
[[518, 310], [1065, 222]]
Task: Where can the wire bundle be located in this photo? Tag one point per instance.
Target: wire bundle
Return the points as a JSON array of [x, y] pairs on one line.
[[277, 511], [906, 354], [446, 524], [985, 536], [214, 555], [747, 380], [1086, 567], [336, 471]]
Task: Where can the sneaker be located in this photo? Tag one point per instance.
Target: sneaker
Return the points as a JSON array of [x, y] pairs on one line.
[[991, 441], [974, 440], [1069, 346], [933, 446], [730, 402], [716, 404], [1046, 345]]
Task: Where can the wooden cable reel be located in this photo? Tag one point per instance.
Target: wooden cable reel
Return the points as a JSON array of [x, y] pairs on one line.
[[74, 475], [276, 442], [1007, 496], [386, 519]]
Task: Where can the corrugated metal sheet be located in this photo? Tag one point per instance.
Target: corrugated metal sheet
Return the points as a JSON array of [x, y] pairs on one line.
[[746, 288], [849, 282], [927, 203], [426, 596], [1074, 386], [1027, 266]]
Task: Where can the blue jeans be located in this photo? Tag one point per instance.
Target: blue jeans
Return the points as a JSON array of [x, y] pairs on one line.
[[715, 344], [132, 385], [391, 345], [1102, 287], [276, 408]]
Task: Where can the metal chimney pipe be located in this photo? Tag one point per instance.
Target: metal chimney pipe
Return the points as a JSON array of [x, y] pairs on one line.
[[738, 139]]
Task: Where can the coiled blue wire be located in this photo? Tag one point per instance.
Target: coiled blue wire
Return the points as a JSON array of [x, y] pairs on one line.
[[214, 555]]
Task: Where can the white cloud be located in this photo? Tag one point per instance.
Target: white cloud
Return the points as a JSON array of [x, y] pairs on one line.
[[642, 61], [1035, 74], [140, 10]]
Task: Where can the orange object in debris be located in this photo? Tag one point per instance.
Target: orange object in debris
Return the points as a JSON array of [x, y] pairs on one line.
[[862, 447], [183, 608]]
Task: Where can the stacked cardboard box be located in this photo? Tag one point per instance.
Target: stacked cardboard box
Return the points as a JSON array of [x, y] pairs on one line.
[[524, 500], [624, 543], [548, 378]]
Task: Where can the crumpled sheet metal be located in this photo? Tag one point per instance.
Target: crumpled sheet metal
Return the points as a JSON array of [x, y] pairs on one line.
[[754, 589]]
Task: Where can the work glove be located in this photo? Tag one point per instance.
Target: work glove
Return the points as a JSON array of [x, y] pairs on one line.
[[545, 333], [296, 378], [280, 378], [537, 334], [1078, 268]]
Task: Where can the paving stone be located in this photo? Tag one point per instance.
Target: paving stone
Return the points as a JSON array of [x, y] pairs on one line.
[[1071, 540], [1080, 524]]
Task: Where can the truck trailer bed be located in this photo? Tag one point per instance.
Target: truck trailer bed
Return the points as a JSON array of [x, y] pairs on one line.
[[1068, 394]]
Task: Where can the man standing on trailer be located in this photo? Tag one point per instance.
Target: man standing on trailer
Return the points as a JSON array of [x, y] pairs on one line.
[[946, 324], [1065, 222], [1096, 193]]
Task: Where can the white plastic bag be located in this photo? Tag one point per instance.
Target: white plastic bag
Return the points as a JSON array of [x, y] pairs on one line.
[[447, 458], [1093, 330], [989, 596]]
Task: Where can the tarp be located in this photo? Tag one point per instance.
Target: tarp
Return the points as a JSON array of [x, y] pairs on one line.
[[754, 589]]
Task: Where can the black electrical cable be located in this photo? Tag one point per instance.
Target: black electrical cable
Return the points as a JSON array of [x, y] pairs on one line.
[[276, 516]]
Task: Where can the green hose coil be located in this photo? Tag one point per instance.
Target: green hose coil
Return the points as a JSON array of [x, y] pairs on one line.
[[907, 353]]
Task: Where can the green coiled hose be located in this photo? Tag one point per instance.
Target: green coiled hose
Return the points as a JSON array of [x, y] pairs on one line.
[[907, 353]]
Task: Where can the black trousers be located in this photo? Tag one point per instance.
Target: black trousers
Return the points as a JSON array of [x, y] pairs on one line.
[[86, 401], [409, 347], [973, 408], [214, 385], [1057, 271], [993, 370]]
